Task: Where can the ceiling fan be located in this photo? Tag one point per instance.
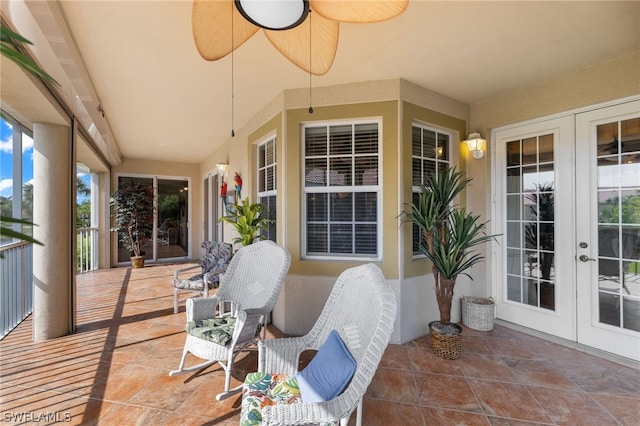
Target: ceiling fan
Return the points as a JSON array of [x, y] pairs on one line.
[[304, 31]]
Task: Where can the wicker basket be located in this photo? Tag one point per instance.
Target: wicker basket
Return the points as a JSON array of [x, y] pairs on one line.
[[447, 346], [478, 313], [137, 262]]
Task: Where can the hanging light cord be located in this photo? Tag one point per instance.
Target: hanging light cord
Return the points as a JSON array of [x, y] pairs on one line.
[[233, 133], [310, 95]]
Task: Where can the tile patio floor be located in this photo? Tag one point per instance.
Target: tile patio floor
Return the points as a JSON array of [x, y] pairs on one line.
[[113, 371]]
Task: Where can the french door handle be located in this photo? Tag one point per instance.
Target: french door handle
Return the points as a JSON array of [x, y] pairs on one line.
[[585, 258]]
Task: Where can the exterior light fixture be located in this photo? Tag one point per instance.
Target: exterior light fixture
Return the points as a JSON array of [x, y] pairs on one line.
[[476, 145], [274, 14], [223, 169]]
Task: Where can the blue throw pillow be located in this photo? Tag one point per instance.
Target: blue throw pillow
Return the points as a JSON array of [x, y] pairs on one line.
[[328, 373]]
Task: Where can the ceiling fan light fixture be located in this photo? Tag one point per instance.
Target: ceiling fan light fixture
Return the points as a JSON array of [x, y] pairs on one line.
[[274, 14]]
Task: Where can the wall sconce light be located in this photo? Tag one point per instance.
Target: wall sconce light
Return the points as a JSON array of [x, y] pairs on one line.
[[223, 169], [476, 145]]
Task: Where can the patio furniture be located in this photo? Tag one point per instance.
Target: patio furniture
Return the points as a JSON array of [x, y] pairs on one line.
[[350, 335], [248, 291], [214, 259]]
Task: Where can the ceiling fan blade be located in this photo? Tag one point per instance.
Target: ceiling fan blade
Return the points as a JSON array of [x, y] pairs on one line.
[[294, 43], [359, 10], [211, 25]]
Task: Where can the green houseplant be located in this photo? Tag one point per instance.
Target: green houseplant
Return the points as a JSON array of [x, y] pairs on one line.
[[448, 233], [249, 219], [133, 209]]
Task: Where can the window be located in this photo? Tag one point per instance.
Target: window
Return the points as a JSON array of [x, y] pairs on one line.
[[430, 151], [16, 174], [341, 202], [267, 183]]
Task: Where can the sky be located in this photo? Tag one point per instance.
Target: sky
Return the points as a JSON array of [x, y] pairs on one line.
[[6, 161]]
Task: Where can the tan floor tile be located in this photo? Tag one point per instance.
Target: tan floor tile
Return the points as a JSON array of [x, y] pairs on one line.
[[442, 391], [539, 373], [166, 393], [396, 356], [202, 402], [384, 413], [566, 407], [424, 360], [123, 383], [508, 400], [625, 410], [439, 416], [393, 385], [485, 367]]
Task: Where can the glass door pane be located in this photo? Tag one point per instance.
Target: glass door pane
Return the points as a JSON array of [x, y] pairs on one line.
[[530, 230], [125, 182], [618, 189], [173, 202]]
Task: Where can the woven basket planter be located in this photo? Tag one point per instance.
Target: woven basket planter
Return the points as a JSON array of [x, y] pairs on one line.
[[137, 262], [447, 346], [478, 313]]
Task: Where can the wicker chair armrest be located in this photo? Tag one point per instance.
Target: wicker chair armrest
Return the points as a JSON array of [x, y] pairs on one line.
[[208, 275], [246, 328], [281, 355], [177, 272], [199, 308]]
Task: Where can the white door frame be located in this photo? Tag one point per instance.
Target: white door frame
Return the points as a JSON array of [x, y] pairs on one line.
[[560, 321], [591, 331], [581, 316]]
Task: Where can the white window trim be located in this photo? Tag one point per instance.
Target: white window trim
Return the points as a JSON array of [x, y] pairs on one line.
[[271, 137], [454, 142], [353, 189]]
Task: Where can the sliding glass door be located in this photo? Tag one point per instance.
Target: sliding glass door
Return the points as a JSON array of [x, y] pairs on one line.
[[171, 220]]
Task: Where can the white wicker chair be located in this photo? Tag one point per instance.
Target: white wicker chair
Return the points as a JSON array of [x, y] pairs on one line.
[[248, 291], [362, 308]]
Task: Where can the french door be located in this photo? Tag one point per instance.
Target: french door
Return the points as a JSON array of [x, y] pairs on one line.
[[608, 228], [567, 194]]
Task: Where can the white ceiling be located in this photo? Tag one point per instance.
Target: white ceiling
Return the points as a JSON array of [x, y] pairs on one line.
[[164, 102]]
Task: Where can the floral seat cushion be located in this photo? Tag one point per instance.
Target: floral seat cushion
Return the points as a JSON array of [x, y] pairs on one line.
[[216, 330], [262, 389], [214, 257], [196, 282]]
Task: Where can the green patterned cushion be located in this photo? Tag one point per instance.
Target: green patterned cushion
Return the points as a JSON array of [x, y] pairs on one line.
[[262, 389], [216, 330]]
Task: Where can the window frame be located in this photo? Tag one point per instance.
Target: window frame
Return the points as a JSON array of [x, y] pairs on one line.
[[270, 138], [450, 161], [334, 189]]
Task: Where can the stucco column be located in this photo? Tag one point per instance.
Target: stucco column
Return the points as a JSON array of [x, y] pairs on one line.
[[52, 173]]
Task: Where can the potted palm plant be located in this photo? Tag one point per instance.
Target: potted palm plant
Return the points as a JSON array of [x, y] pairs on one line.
[[133, 210], [249, 220], [448, 233]]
